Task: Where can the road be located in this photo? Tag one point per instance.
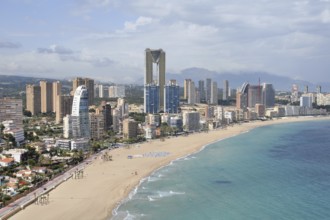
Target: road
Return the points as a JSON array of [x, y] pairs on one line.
[[30, 198]]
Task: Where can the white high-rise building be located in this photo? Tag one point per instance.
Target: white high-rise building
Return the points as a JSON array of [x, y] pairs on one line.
[[117, 91], [67, 126], [80, 116], [191, 93], [101, 91]]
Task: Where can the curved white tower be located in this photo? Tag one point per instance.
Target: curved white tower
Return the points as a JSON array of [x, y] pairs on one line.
[[80, 118]]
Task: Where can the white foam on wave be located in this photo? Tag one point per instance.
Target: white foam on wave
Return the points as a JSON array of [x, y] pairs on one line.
[[163, 194]]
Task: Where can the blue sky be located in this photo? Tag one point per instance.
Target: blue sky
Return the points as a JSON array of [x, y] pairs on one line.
[[106, 39]]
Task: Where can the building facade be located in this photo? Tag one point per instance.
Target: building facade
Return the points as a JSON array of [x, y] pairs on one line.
[[89, 83], [191, 121], [11, 109], [214, 93], [63, 107], [57, 91], [155, 57], [151, 98], [46, 96], [225, 93], [130, 128], [80, 116], [172, 98], [33, 99]]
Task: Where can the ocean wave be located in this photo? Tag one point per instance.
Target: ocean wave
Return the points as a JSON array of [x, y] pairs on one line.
[[163, 194]]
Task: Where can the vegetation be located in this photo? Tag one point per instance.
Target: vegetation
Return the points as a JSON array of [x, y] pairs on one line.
[[139, 117]]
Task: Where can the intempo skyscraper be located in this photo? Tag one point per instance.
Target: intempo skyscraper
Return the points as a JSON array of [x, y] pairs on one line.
[[154, 76]]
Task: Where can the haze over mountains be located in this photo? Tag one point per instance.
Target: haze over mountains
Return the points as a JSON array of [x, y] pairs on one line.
[[235, 79]]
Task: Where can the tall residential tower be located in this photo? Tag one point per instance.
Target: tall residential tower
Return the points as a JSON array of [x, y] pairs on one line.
[[155, 75]]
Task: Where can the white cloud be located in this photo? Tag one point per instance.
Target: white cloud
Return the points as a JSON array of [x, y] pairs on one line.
[[265, 35], [140, 21]]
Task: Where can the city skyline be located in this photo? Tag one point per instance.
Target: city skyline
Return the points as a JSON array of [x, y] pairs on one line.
[[105, 38]]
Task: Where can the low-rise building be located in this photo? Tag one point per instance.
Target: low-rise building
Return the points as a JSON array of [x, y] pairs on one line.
[[78, 144], [7, 162], [16, 153]]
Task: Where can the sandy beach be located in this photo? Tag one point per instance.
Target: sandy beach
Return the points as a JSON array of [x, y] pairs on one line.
[[107, 183]]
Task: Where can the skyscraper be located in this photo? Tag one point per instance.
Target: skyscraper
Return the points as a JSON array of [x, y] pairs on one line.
[[151, 98], [172, 97], [208, 90], [57, 91], [186, 88], [80, 117], [101, 91], [63, 107], [89, 83], [214, 93], [191, 93], [105, 109], [242, 96], [201, 89], [225, 90], [46, 96], [96, 125], [268, 95], [155, 57], [33, 99], [254, 95]]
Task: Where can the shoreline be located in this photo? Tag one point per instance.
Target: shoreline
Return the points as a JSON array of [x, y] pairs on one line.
[[109, 184]]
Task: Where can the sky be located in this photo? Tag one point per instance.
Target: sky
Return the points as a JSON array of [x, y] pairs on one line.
[[106, 39]]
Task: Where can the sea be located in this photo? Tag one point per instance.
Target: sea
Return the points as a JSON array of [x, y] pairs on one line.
[[274, 172]]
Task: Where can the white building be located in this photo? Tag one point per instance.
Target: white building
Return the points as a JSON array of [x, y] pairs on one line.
[[191, 93], [117, 91], [291, 110], [63, 144], [16, 153], [101, 91], [82, 143], [16, 132], [306, 101], [67, 126], [219, 113], [230, 116], [80, 116], [323, 99]]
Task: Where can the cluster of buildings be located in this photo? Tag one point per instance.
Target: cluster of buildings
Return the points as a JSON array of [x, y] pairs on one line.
[[47, 97], [114, 91], [197, 110], [205, 92]]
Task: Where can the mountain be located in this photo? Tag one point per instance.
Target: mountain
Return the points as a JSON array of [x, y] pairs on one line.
[[281, 83]]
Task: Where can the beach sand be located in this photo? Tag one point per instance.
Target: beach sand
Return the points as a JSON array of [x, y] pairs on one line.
[[107, 183]]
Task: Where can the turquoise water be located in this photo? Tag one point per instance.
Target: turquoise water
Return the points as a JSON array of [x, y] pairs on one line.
[[274, 172]]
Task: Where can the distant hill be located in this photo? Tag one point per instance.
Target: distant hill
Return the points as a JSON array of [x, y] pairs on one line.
[[237, 79]]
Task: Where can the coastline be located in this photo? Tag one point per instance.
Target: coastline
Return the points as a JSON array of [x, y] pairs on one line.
[[107, 184]]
